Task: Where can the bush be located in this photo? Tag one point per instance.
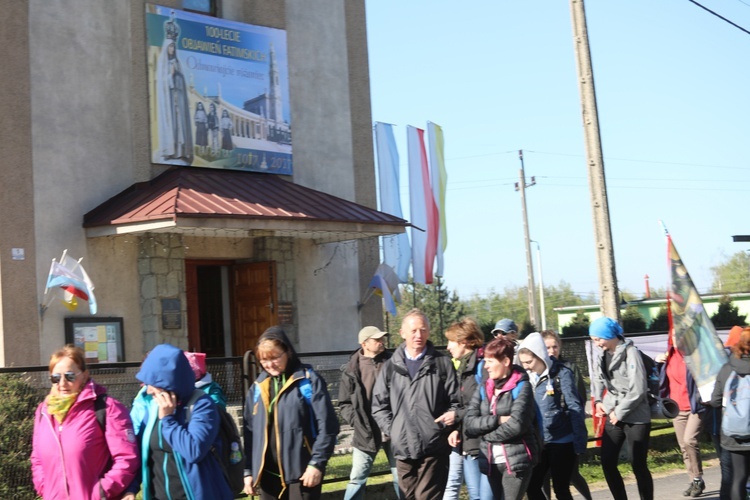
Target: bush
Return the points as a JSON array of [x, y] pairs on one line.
[[578, 327], [632, 320], [18, 402]]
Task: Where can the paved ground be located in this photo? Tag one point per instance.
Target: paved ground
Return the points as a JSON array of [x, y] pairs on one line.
[[667, 486]]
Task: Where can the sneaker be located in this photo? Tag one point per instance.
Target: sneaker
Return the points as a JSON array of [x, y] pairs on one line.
[[689, 490], [698, 487]]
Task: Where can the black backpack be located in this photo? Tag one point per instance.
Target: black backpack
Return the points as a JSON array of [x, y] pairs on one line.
[[232, 457], [652, 380]]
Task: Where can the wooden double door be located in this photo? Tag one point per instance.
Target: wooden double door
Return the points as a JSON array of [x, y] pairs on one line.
[[229, 305]]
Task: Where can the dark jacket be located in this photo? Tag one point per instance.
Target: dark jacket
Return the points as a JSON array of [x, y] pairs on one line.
[[742, 367], [405, 408], [562, 424], [190, 443], [467, 381], [304, 433], [354, 407], [518, 437], [578, 376]]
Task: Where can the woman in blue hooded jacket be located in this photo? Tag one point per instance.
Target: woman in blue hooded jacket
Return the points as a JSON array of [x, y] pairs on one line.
[[562, 414], [177, 432]]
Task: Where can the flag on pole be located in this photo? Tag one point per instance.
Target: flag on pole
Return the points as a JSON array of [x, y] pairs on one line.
[[694, 334], [439, 180], [423, 209], [396, 249], [380, 285], [69, 276]]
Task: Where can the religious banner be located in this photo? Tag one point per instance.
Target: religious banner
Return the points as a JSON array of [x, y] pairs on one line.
[[218, 93]]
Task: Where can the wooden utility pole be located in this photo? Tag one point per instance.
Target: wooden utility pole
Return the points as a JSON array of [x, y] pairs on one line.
[[521, 187], [605, 255]]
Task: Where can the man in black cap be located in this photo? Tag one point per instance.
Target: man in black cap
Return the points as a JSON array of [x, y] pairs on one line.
[[355, 396]]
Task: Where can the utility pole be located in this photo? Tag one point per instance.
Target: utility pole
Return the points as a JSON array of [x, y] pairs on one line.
[[542, 310], [521, 187], [605, 255]]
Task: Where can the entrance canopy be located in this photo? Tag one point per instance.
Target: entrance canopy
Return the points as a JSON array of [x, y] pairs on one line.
[[209, 202]]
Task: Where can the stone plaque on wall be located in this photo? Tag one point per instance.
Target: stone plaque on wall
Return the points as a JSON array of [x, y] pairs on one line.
[[286, 316], [171, 314]]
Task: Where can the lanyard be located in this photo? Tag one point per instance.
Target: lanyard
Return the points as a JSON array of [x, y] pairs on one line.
[[276, 390]]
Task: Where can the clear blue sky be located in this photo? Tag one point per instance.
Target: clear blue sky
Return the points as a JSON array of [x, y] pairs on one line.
[[673, 94]]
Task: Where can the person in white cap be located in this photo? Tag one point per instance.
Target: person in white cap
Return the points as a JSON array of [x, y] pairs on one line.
[[355, 396]]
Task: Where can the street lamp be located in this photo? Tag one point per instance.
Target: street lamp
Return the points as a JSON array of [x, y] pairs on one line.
[[542, 313]]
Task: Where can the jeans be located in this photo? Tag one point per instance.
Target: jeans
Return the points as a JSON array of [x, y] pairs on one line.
[[361, 467], [462, 468], [725, 462]]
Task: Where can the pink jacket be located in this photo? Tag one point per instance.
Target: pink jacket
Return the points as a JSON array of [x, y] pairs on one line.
[[76, 460]]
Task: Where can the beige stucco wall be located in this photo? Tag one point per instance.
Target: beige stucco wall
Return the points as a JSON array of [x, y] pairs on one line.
[[75, 132]]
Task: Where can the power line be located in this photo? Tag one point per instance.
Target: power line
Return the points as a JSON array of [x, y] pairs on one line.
[[720, 16]]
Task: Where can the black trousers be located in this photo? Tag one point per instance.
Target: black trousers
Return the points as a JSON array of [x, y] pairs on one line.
[[740, 471], [558, 459], [637, 436]]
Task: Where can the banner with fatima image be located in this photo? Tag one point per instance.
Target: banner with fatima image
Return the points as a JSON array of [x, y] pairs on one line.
[[694, 333], [218, 93]]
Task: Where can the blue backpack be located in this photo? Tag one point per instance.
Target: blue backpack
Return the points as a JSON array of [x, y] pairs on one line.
[[736, 420]]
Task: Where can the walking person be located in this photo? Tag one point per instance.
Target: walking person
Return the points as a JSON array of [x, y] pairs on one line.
[[625, 405], [738, 366], [465, 340], [564, 430], [503, 414], [73, 453], [355, 405], [177, 427], [678, 384], [290, 424], [554, 349], [414, 402]]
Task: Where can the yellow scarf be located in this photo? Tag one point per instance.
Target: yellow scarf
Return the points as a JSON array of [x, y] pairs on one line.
[[59, 405]]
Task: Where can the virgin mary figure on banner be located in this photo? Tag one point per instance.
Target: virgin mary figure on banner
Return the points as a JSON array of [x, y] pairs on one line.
[[173, 109]]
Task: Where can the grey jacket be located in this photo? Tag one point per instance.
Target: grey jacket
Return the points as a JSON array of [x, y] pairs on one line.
[[405, 408], [625, 381], [742, 367]]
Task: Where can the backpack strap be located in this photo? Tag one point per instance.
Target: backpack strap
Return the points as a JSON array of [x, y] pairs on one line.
[[197, 393], [305, 388], [100, 407]]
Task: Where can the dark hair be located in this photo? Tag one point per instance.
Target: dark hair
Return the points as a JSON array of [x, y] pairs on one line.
[[742, 347], [465, 331], [500, 348]]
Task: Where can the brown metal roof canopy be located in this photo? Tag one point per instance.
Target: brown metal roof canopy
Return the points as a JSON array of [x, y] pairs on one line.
[[209, 202]]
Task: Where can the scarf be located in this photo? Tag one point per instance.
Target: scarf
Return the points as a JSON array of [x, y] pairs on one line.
[[58, 406]]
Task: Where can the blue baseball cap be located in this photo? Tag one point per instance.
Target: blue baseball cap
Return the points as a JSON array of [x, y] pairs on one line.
[[504, 326]]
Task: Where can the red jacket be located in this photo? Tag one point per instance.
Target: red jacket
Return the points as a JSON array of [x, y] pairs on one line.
[[76, 460]]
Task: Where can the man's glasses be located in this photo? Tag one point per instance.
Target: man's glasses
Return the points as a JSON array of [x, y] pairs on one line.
[[69, 376]]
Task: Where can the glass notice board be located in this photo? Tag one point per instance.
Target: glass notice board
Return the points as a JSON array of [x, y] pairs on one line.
[[100, 338]]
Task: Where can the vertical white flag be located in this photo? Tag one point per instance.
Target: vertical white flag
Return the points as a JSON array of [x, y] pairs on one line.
[[396, 250], [439, 181], [423, 210]]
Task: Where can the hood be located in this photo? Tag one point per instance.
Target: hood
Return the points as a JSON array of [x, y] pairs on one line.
[[278, 333], [740, 365], [166, 367], [535, 343]]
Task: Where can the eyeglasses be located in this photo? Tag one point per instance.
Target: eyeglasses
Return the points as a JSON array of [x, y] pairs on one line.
[[271, 360], [69, 376]]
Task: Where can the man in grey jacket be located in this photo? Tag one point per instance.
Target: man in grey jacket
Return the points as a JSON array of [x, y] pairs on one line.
[[355, 400], [414, 402]]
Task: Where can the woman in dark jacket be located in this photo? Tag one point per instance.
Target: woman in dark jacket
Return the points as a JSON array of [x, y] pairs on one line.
[[465, 341], [739, 449], [502, 412], [290, 424], [562, 414]]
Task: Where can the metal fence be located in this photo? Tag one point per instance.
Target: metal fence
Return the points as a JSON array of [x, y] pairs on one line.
[[22, 388]]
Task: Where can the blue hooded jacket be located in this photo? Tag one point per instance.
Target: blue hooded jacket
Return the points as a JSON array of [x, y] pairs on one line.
[[201, 476]]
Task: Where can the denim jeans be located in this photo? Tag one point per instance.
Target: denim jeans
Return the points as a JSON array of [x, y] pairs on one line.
[[462, 468], [361, 467]]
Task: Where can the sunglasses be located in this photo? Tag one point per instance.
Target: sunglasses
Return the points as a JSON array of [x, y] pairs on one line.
[[69, 376]]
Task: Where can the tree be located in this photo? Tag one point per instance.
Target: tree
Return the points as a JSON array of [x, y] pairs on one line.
[[732, 275], [441, 308], [728, 314], [578, 327], [661, 322], [632, 320]]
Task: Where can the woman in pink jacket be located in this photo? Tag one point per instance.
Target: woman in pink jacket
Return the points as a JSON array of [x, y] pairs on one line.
[[75, 455]]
